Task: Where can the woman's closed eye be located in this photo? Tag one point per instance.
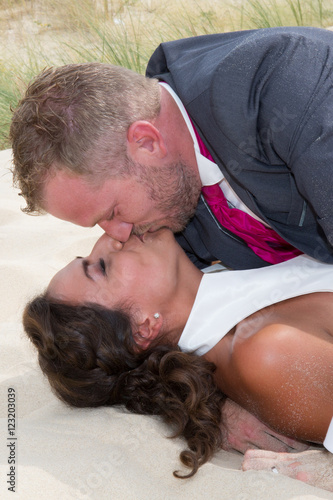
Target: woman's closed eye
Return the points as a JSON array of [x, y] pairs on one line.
[[90, 269]]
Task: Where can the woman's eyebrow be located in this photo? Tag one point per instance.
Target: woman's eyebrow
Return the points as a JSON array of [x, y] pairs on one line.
[[85, 265]]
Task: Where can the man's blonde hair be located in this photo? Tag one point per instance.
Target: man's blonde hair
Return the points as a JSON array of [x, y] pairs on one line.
[[75, 117]]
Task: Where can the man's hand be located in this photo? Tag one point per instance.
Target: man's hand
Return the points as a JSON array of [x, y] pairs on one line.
[[314, 467], [245, 431]]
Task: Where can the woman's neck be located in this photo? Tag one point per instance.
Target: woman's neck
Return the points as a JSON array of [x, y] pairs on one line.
[[182, 304]]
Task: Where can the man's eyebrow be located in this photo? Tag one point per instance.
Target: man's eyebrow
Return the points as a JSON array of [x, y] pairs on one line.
[[85, 265], [107, 215]]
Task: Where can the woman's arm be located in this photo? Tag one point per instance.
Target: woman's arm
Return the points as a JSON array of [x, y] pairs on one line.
[[243, 431]]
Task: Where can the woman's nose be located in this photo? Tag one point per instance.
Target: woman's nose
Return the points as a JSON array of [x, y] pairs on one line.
[[116, 244]]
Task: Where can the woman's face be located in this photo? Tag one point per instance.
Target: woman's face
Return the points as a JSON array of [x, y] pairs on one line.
[[143, 273]]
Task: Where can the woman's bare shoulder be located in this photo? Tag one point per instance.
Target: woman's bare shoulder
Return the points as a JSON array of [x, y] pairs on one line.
[[285, 374], [262, 355]]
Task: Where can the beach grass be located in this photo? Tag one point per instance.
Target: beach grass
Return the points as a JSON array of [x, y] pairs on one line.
[[40, 33]]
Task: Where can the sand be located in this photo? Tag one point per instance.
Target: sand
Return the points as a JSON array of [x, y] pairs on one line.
[[105, 453]]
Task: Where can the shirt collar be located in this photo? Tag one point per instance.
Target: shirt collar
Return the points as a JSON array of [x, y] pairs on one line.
[[209, 172]]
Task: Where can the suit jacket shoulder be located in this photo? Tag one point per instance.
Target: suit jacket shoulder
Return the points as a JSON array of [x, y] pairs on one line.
[[260, 100]]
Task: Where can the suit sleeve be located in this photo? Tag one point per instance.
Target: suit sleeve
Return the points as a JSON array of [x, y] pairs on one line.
[[311, 162]]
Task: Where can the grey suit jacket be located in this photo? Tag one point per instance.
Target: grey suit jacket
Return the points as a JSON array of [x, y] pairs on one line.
[[262, 101]]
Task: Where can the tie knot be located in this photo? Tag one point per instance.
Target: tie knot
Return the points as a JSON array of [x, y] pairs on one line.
[[213, 193]]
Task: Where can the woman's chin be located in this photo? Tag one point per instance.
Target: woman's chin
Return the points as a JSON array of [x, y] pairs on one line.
[[160, 233]]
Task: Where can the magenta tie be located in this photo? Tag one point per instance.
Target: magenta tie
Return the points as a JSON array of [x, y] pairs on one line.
[[264, 241]]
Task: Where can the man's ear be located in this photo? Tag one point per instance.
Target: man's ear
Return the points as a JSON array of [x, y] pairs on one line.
[[145, 141], [147, 331]]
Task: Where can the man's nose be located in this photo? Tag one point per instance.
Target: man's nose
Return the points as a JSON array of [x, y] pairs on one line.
[[120, 231]]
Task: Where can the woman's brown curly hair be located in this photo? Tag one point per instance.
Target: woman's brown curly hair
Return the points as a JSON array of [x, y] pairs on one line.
[[89, 356]]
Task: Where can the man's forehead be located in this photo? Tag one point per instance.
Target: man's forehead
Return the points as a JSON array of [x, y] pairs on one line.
[[62, 177], [73, 198]]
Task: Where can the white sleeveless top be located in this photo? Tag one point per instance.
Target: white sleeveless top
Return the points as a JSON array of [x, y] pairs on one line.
[[226, 298]]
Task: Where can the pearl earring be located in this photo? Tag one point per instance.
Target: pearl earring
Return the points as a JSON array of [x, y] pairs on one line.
[[156, 315]]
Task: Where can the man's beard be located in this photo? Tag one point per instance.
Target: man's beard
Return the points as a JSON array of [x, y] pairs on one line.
[[176, 190]]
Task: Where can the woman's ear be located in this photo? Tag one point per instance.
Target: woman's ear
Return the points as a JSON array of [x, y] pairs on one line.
[[148, 330], [145, 141]]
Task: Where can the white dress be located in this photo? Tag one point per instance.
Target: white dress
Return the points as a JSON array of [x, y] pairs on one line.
[[225, 298]]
